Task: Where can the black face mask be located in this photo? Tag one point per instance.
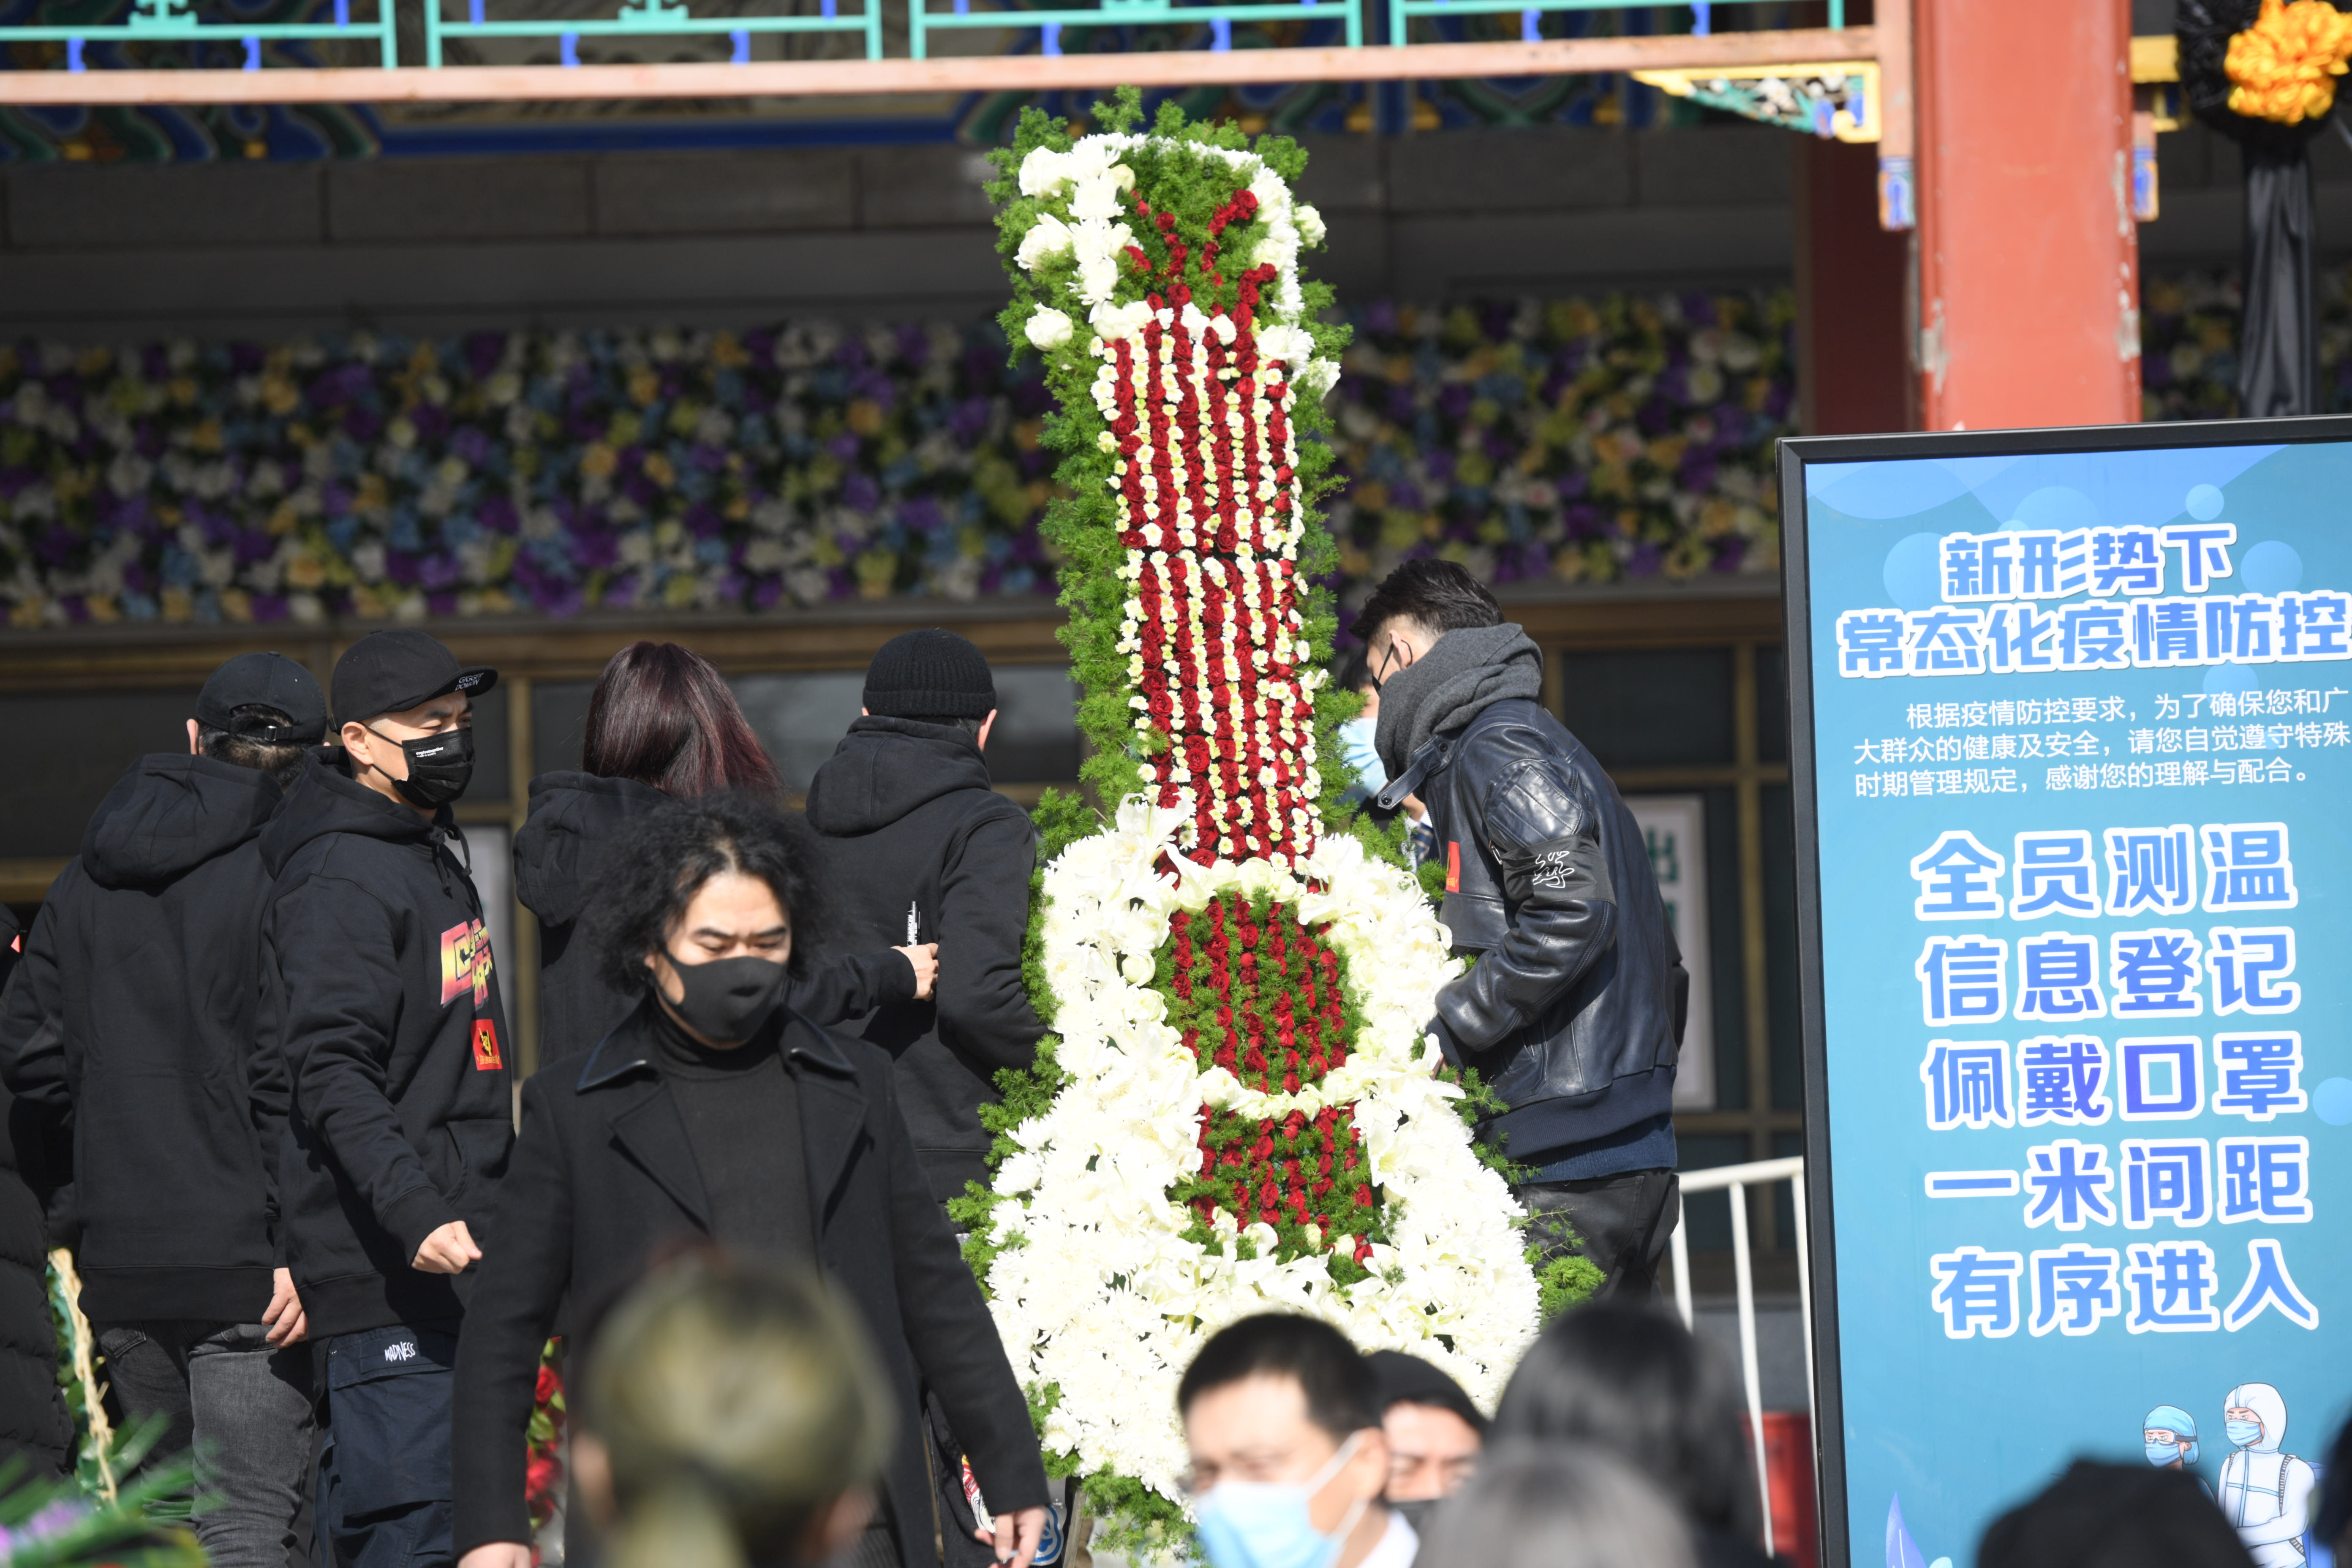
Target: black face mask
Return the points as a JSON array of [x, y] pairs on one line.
[[439, 767], [728, 999], [1416, 1513]]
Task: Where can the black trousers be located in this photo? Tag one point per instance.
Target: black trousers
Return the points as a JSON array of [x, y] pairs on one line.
[[1623, 1224]]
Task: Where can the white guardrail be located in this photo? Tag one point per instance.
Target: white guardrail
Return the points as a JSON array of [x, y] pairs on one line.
[[1737, 1180]]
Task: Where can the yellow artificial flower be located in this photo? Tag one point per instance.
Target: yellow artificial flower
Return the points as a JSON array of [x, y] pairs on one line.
[[2283, 67]]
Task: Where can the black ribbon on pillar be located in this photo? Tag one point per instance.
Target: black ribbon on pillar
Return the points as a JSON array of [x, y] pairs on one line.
[[2278, 339]]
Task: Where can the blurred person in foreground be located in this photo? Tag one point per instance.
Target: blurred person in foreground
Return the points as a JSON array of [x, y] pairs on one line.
[[1549, 1504], [715, 1113], [1637, 1383], [2331, 1522], [2115, 1516], [1282, 1419], [732, 1414], [662, 725], [1434, 1433], [1572, 1010]]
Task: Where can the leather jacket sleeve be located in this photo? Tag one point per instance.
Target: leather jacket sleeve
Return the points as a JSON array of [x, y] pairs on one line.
[[1543, 829]]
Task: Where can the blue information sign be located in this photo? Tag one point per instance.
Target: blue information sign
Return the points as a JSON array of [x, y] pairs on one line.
[[2072, 735]]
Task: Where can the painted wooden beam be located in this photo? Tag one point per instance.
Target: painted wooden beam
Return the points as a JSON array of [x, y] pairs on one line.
[[982, 73]]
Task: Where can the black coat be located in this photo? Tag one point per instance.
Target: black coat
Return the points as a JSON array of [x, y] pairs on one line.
[[576, 821], [913, 829], [380, 1002], [603, 1180], [1570, 1013], [133, 1016], [33, 1426]]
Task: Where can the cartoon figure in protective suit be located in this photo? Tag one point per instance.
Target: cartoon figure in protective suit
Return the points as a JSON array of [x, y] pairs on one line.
[[2265, 1492], [2170, 1434]]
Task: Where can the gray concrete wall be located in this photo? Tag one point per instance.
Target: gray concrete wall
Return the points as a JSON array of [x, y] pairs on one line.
[[264, 249]]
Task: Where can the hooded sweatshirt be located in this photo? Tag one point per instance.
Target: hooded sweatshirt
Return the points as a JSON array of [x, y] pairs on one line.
[[34, 1427], [133, 1015], [381, 1006], [920, 849], [577, 820]]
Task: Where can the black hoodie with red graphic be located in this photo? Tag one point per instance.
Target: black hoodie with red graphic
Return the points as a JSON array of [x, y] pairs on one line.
[[380, 1014]]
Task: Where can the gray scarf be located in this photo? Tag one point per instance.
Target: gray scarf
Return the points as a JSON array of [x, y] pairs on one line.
[[1464, 674]]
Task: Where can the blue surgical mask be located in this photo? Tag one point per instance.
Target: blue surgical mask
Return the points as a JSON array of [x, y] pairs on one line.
[[1356, 746], [2162, 1454], [2244, 1433], [1262, 1524]]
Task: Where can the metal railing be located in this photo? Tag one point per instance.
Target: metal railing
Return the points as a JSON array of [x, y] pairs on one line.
[[178, 21], [1737, 1180], [174, 22], [1532, 12], [1050, 21], [641, 19]]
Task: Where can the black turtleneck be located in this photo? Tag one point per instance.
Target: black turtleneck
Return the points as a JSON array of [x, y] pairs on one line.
[[741, 1110]]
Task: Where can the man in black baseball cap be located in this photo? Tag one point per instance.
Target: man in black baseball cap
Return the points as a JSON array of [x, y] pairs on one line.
[[134, 1004], [390, 1032]]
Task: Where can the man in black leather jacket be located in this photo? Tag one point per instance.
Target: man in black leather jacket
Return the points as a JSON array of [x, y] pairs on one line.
[[1571, 1011]]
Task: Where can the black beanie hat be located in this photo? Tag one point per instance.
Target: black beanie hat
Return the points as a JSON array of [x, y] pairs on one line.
[[929, 674]]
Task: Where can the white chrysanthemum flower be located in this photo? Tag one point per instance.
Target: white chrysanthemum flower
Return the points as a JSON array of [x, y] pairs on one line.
[[1119, 323], [1048, 237], [1310, 223], [1291, 345], [1049, 327], [1044, 171]]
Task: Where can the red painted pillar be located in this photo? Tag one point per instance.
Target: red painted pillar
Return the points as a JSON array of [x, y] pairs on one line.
[[2029, 258], [1853, 375]]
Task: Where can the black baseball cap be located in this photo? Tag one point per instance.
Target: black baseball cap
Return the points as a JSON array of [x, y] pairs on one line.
[[266, 680], [1409, 1380], [393, 671]]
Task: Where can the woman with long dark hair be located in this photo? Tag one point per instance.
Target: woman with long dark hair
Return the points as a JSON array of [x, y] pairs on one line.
[[715, 1113], [1637, 1383], [662, 726]]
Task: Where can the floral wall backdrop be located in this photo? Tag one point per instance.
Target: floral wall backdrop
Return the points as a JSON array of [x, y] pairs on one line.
[[552, 472], [1594, 440]]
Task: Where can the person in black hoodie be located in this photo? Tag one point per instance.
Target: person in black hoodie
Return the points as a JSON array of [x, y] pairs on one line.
[[715, 1113], [662, 725], [383, 1007], [920, 848], [36, 1433], [131, 1021]]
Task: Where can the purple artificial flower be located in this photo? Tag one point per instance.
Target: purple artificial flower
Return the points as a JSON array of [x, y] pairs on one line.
[[1644, 561], [400, 567], [860, 493], [1381, 316], [1454, 401], [497, 514], [1729, 552], [844, 446], [441, 603], [267, 607], [483, 350], [438, 572], [252, 545]]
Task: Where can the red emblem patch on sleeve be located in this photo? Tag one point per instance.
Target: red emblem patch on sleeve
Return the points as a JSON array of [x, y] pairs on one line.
[[1453, 866], [486, 1046]]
